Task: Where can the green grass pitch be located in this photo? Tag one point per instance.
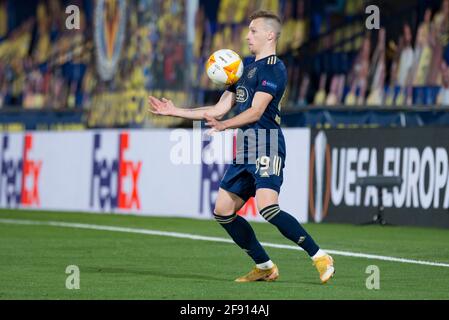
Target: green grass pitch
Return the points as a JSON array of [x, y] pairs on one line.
[[116, 265]]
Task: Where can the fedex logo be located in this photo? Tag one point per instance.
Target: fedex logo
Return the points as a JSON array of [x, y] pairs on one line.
[[211, 175], [19, 172], [114, 180]]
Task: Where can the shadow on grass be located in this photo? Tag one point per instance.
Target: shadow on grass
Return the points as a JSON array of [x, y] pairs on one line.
[[191, 276], [156, 273]]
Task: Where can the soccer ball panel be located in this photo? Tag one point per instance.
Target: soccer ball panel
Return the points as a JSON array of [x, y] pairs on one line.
[[224, 67]]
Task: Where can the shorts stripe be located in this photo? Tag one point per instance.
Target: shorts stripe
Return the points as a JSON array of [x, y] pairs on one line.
[[277, 164]]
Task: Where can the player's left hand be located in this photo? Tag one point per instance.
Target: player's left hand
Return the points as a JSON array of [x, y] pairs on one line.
[[216, 126]]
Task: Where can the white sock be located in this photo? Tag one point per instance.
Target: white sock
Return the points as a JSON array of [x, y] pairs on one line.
[[266, 265], [320, 253]]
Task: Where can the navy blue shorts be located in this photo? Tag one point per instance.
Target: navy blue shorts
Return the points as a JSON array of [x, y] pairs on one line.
[[244, 179]]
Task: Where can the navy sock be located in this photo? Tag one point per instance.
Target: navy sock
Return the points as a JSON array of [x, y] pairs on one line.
[[243, 235], [290, 228]]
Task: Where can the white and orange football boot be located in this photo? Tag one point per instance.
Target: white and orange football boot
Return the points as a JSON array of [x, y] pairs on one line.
[[325, 267], [257, 274]]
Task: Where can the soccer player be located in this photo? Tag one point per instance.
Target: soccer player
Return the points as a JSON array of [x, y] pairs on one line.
[[257, 95]]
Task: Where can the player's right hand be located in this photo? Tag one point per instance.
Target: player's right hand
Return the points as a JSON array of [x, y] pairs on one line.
[[162, 107]]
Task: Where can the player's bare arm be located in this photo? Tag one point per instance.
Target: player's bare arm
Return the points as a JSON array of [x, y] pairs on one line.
[[251, 115], [167, 108]]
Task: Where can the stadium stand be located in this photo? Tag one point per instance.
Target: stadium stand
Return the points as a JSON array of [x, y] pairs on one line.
[[332, 59], [55, 66]]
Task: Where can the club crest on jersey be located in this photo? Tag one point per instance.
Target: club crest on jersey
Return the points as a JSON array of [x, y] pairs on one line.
[[252, 72], [241, 94]]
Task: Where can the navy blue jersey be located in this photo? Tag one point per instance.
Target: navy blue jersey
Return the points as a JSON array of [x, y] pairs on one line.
[[266, 75]]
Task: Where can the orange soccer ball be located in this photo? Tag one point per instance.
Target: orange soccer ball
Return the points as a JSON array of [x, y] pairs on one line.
[[224, 67]]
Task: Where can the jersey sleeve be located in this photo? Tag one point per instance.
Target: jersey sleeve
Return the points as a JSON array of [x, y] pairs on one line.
[[232, 88], [270, 80]]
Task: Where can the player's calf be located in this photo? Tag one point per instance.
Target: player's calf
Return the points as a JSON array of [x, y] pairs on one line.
[[292, 229], [243, 235]]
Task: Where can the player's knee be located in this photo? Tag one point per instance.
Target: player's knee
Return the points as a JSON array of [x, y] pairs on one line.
[[224, 219], [223, 211], [265, 197], [269, 212], [223, 207], [226, 203]]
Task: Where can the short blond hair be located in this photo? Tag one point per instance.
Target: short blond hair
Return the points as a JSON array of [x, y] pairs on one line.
[[270, 18]]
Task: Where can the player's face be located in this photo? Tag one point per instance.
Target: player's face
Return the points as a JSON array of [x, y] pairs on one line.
[[257, 36]]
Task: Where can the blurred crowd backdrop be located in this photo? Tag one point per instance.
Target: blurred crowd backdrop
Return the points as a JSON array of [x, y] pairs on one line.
[[125, 50]]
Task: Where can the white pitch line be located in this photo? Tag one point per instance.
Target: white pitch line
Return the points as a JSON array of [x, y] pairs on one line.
[[213, 239]]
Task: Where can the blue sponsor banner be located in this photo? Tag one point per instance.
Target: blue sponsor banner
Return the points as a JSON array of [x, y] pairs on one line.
[[21, 120], [320, 117], [314, 117]]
